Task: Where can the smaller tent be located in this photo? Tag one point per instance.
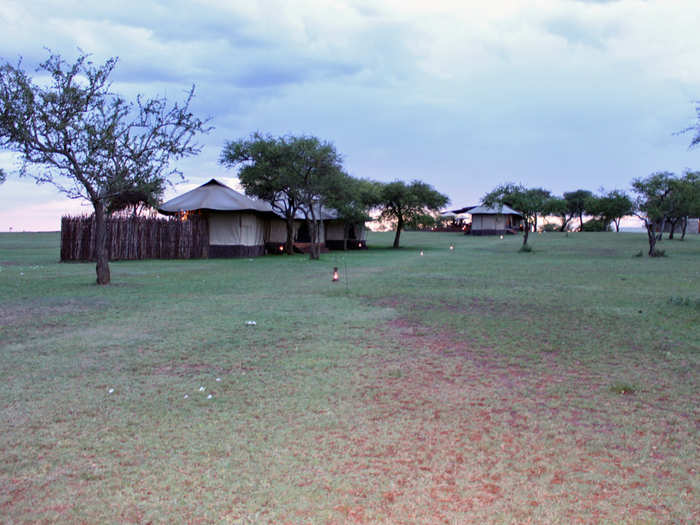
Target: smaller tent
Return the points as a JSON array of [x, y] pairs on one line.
[[237, 224], [497, 220]]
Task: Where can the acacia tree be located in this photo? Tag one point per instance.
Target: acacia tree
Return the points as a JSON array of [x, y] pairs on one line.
[[528, 201], [576, 202], [558, 207], [294, 174], [88, 142], [611, 207], [652, 204], [402, 202], [353, 199], [263, 160], [684, 201]]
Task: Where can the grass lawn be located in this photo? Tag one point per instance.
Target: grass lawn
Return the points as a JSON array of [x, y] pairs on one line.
[[476, 386]]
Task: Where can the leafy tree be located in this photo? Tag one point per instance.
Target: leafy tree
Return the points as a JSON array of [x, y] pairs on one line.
[[652, 204], [576, 203], [684, 200], [294, 174], [611, 207], [353, 199], [262, 160], [90, 143], [402, 203], [528, 201], [558, 207], [317, 167]]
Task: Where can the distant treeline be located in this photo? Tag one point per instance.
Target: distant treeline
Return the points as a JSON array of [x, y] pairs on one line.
[[136, 237]]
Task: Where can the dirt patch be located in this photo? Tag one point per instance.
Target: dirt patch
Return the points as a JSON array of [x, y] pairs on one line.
[[451, 433]]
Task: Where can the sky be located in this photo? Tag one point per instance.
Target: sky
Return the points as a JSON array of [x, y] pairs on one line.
[[464, 95]]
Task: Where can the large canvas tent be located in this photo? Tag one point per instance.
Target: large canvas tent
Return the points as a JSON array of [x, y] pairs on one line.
[[238, 225]]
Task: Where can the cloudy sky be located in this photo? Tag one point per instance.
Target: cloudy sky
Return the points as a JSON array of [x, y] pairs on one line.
[[464, 95]]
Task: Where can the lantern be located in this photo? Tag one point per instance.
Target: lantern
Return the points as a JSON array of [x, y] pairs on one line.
[[336, 277], [452, 247], [421, 253]]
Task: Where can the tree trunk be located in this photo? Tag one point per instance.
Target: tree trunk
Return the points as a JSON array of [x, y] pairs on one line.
[[660, 236], [564, 223], [526, 232], [399, 227], [673, 227], [289, 243], [684, 227], [580, 218], [651, 235], [315, 246], [617, 225], [101, 252]]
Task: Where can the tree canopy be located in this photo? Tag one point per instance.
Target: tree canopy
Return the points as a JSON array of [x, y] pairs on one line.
[[76, 134], [610, 207], [402, 203], [292, 173]]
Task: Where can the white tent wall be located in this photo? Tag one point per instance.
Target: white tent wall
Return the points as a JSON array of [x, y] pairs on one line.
[[236, 234], [335, 231]]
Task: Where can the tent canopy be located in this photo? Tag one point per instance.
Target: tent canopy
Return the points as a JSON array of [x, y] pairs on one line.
[[493, 210], [214, 196]]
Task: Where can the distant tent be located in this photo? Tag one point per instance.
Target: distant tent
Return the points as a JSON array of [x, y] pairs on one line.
[[496, 220], [238, 225]]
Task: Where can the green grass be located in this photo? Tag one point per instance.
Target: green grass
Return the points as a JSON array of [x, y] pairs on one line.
[[480, 385]]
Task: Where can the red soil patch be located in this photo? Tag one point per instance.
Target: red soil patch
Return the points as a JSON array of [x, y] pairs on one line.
[[457, 434]]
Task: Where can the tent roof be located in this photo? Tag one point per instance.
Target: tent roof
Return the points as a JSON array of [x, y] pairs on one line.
[[216, 196], [494, 210]]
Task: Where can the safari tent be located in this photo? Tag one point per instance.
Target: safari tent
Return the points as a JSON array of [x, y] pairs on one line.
[[495, 220], [238, 225], [335, 234]]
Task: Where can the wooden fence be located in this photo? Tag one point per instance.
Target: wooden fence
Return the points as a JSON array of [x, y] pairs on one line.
[[136, 238]]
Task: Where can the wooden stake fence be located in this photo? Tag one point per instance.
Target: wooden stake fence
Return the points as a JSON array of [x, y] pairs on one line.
[[133, 238]]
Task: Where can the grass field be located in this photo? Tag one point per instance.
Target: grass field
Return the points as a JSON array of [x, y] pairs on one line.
[[476, 386]]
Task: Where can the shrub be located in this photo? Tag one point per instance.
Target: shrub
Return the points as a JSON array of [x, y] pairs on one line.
[[640, 253], [622, 388], [550, 227], [595, 225]]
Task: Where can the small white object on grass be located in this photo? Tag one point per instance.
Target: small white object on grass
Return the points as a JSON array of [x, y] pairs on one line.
[[209, 396], [250, 323], [186, 396], [21, 273], [218, 379], [110, 391], [202, 389]]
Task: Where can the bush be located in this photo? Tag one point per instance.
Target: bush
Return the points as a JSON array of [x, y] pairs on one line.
[[622, 388], [640, 253], [550, 227], [596, 225]]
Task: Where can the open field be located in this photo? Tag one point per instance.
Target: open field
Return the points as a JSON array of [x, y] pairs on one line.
[[484, 385]]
